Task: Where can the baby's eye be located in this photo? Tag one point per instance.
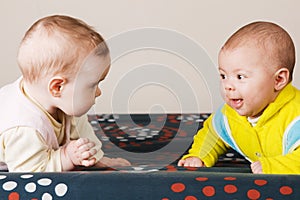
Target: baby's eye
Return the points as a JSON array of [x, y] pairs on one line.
[[240, 76], [222, 76]]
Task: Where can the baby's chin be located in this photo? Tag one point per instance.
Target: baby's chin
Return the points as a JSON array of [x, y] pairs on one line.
[[248, 114], [241, 111]]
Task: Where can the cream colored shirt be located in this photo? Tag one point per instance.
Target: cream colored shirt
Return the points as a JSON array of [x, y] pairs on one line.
[[25, 150]]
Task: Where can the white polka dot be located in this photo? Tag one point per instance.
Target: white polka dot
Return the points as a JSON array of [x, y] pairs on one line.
[[9, 185], [2, 177], [46, 196], [61, 189], [44, 181], [229, 154], [138, 168], [26, 176], [30, 187]]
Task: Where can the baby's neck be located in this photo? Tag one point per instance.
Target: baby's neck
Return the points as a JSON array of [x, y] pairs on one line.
[[38, 94], [253, 120]]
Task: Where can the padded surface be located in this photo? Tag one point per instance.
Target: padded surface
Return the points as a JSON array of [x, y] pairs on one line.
[[155, 140], [154, 174], [161, 185]]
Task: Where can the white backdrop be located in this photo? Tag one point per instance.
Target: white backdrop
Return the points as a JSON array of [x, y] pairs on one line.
[[205, 23]]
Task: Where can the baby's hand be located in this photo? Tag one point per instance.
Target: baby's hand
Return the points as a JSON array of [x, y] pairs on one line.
[[80, 152], [191, 162], [256, 167], [113, 162]]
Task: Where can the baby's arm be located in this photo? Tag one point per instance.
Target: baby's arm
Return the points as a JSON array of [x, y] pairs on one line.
[[191, 162], [111, 162], [25, 150], [206, 148], [282, 164], [85, 130], [81, 128]]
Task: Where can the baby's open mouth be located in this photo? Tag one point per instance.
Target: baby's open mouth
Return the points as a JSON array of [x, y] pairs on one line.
[[236, 103]]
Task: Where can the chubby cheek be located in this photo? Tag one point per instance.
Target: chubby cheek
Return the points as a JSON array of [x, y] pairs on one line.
[[80, 109], [82, 103], [222, 92]]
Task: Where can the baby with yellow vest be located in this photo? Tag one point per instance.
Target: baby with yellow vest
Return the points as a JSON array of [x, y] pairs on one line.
[[261, 115]]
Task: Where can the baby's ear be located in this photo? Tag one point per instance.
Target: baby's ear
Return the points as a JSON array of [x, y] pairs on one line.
[[56, 85], [282, 78]]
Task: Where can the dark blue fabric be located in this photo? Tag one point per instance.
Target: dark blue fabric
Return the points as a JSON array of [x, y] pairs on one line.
[[203, 184], [155, 178]]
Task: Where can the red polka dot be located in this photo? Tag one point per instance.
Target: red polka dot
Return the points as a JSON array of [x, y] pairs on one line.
[[190, 198], [14, 196], [253, 194], [286, 190], [122, 144], [229, 178], [230, 189], [178, 187], [201, 178], [269, 199], [260, 182], [191, 168], [173, 121], [209, 191], [171, 168], [165, 199]]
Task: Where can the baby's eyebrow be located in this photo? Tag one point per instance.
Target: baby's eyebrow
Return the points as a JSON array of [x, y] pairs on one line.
[[221, 69]]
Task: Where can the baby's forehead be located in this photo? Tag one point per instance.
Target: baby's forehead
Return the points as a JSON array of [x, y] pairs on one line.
[[266, 50], [250, 56]]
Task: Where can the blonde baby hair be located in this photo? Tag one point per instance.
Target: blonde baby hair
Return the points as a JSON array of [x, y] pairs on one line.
[[57, 44]]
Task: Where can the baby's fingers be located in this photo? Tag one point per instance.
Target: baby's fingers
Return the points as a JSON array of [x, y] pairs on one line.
[[89, 162], [86, 146], [87, 154], [180, 163], [81, 141]]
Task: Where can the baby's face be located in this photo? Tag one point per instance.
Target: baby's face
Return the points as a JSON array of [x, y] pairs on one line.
[[84, 89], [247, 80]]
